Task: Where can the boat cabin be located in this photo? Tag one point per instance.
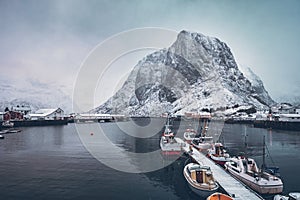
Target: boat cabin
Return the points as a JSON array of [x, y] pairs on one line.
[[219, 149], [251, 166], [246, 165], [201, 174]]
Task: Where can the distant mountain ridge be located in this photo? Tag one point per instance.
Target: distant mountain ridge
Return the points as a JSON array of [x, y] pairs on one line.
[[195, 73], [33, 93]]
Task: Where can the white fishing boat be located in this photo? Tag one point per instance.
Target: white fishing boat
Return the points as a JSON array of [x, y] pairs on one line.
[[202, 141], [292, 196], [218, 154], [219, 196], [200, 179], [169, 144], [199, 141], [246, 170]]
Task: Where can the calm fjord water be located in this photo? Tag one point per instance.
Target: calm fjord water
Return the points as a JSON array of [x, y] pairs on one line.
[[51, 163]]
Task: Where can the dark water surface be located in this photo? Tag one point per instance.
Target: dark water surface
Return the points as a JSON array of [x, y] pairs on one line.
[[52, 163]]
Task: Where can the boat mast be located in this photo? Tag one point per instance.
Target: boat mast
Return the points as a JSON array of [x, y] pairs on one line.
[[204, 127], [168, 120], [264, 155]]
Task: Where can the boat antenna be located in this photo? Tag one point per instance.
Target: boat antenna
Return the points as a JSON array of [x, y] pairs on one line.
[[168, 119], [204, 127], [245, 141]]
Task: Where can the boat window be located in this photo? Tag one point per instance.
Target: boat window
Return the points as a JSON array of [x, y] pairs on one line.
[[199, 177]]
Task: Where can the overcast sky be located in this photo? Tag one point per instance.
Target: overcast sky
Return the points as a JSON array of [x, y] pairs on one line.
[[48, 40]]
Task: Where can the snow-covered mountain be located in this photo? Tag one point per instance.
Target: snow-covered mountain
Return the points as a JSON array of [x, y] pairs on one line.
[[33, 93], [195, 73], [257, 85]]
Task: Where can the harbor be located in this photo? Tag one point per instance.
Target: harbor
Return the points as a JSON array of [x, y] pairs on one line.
[[149, 100], [194, 143], [205, 176], [233, 187], [53, 159]]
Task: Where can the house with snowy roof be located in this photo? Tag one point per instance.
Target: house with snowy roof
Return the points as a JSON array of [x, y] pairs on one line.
[[22, 109], [47, 114]]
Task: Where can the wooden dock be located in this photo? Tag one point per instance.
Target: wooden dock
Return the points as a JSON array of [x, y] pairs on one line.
[[233, 187]]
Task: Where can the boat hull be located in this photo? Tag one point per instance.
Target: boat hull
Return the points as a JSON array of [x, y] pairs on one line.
[[203, 192], [202, 146], [189, 141], [170, 148], [253, 184], [218, 160], [219, 196]]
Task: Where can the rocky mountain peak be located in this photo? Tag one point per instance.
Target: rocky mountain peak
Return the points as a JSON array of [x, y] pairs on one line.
[[195, 72]]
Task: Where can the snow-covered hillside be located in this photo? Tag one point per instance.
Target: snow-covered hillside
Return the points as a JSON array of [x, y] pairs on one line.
[[195, 73], [257, 84], [33, 93]]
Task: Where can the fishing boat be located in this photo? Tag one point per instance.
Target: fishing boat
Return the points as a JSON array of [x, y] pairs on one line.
[[13, 130], [292, 196], [189, 135], [218, 154], [200, 179], [246, 170], [4, 131], [169, 144], [219, 196], [202, 141]]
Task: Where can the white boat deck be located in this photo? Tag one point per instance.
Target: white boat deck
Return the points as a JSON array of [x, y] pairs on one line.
[[232, 186]]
